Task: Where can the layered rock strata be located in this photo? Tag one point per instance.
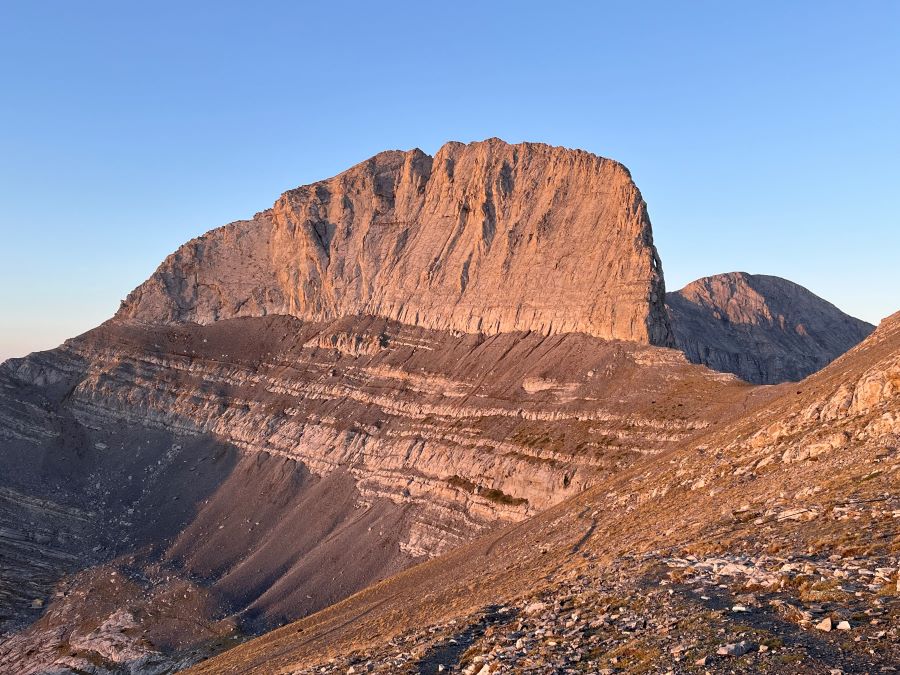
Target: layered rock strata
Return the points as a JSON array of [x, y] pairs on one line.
[[273, 467], [739, 551]]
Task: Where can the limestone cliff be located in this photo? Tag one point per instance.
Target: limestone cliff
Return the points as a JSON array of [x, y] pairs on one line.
[[486, 237], [762, 328]]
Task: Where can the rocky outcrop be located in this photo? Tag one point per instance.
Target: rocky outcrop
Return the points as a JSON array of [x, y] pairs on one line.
[[762, 328], [860, 406], [486, 237]]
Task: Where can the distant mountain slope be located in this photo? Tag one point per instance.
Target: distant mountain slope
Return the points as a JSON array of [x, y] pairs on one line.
[[762, 328]]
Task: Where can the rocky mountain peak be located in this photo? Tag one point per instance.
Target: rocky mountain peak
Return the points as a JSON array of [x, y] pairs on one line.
[[764, 329], [305, 405], [484, 237]]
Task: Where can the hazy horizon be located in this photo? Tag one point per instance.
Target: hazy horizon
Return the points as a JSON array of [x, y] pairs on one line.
[[764, 139]]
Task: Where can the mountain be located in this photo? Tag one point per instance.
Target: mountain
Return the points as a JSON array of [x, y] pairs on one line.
[[485, 237], [423, 371], [763, 329], [767, 545], [255, 435]]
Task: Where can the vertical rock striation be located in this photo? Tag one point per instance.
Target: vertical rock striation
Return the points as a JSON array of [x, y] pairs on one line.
[[486, 237]]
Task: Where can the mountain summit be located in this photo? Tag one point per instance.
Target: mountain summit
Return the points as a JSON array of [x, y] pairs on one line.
[[486, 237], [762, 328]]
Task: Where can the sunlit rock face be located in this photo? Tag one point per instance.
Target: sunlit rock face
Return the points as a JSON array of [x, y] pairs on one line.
[[486, 237]]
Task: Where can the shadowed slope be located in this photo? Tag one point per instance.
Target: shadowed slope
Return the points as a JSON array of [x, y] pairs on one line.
[[764, 329], [645, 568]]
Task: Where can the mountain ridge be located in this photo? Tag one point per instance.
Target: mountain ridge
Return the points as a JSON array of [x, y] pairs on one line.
[[763, 328], [386, 366]]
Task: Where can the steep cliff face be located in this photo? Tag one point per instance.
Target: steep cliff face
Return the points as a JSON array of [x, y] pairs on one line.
[[762, 328], [486, 237]]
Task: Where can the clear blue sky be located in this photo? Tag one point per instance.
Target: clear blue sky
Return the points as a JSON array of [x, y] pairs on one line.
[[765, 136]]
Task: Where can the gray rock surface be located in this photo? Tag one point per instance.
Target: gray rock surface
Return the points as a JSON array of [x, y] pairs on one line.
[[763, 329]]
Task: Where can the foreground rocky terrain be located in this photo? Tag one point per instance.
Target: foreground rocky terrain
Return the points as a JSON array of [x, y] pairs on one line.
[[461, 367], [767, 545]]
